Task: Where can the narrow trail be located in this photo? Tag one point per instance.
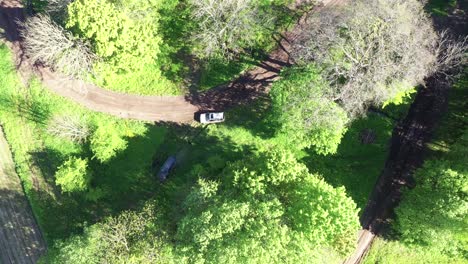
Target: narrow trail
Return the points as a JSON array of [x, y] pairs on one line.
[[247, 87], [21, 241], [408, 145], [407, 148]]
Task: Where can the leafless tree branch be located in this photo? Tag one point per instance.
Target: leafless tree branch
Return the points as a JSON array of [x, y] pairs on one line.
[[69, 127], [48, 43]]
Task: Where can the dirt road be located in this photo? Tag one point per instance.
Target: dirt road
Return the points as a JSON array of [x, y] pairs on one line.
[[20, 238], [152, 108]]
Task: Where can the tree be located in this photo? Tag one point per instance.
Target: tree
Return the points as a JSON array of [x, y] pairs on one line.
[[265, 209], [304, 111], [107, 140], [73, 175], [48, 43], [130, 237], [69, 127], [57, 9], [435, 212], [124, 33], [371, 52], [225, 27], [126, 36]]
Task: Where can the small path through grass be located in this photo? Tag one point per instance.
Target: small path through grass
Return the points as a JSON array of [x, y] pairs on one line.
[[21, 241]]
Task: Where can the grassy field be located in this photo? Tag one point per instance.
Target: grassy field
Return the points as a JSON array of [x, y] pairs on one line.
[[392, 251], [25, 114]]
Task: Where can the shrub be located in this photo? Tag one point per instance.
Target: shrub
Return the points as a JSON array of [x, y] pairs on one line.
[[107, 141], [73, 175], [70, 127], [48, 43]]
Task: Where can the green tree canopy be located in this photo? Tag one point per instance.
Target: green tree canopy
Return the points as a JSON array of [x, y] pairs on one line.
[[371, 51], [107, 140], [435, 212], [73, 175], [125, 33], [304, 111], [265, 209]]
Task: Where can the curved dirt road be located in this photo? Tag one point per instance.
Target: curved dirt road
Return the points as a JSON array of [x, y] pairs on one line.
[[249, 86], [147, 108]]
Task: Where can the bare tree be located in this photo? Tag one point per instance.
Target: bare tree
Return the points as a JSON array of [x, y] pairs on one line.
[[57, 9], [225, 26], [48, 43], [451, 54], [69, 127], [370, 51]]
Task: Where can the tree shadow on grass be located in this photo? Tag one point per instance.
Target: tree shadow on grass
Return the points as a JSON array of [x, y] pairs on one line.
[[204, 154], [255, 117], [31, 110], [128, 179], [356, 166]]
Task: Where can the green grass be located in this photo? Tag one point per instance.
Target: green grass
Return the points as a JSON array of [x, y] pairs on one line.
[[389, 252], [148, 81], [123, 181], [440, 7]]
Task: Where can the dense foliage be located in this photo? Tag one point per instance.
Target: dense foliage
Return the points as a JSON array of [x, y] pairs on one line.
[[130, 237], [73, 175], [434, 213], [305, 113], [264, 209], [125, 34]]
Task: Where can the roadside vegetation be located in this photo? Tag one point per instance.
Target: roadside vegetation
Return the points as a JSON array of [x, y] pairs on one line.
[[431, 219], [154, 47], [283, 180]]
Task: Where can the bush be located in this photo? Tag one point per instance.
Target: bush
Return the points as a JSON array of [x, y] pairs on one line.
[[73, 175], [69, 127], [46, 42], [107, 141], [130, 237], [434, 213]]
